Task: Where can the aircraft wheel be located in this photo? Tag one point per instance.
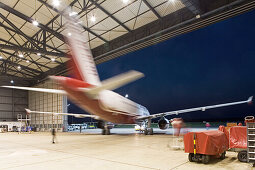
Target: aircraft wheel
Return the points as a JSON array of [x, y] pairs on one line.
[[146, 131], [103, 132], [107, 131], [151, 131]]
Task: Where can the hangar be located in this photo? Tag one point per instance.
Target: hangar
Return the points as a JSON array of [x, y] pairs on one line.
[[33, 47], [32, 43]]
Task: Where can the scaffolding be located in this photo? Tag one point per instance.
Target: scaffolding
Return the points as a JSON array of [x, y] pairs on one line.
[[26, 126]]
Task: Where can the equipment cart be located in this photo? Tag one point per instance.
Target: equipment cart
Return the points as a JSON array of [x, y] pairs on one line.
[[204, 145]]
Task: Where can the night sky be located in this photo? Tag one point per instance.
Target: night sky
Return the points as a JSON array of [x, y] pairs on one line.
[[209, 66]]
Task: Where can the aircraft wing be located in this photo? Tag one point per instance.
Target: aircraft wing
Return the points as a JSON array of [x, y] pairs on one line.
[[193, 109], [56, 91], [68, 114]]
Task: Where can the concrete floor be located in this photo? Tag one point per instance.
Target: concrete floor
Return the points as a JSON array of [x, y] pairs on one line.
[[91, 150]]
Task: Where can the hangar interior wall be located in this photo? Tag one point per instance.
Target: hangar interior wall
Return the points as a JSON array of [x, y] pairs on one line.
[[12, 103], [47, 102]]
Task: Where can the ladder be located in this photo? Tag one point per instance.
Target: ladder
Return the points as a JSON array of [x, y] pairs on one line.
[[251, 142]]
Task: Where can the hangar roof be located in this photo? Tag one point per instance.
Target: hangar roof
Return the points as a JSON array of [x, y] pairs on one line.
[[113, 28]]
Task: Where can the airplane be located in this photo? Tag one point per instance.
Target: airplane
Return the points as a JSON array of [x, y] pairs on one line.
[[96, 97]]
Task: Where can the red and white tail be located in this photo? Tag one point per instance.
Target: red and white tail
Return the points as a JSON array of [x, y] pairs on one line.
[[82, 60]]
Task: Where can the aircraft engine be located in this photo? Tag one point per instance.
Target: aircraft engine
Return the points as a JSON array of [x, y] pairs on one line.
[[163, 123]]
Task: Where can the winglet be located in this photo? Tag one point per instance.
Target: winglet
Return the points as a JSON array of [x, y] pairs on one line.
[[250, 100], [28, 111]]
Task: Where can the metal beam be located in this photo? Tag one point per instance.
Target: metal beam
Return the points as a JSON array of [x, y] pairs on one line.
[[8, 28], [30, 50], [28, 19], [33, 71], [62, 13], [32, 61], [110, 15], [151, 8], [193, 6]]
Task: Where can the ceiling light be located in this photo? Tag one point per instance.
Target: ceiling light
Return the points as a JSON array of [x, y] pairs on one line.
[[39, 54], [125, 1], [198, 16], [21, 55], [19, 67], [55, 3], [172, 1], [12, 81], [35, 23], [69, 34], [53, 59], [27, 61], [126, 95], [1, 57], [72, 13], [93, 18]]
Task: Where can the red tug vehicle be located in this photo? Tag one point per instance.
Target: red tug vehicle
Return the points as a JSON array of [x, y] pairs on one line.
[[204, 145]]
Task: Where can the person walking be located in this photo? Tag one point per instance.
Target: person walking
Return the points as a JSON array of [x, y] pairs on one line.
[[53, 132], [207, 125]]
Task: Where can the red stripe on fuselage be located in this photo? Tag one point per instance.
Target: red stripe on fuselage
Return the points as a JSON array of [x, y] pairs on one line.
[[93, 106]]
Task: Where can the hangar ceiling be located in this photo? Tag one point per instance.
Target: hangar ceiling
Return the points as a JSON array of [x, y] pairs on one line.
[[31, 51]]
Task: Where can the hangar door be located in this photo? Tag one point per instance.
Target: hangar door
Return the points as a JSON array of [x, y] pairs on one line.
[[12, 102], [47, 102]]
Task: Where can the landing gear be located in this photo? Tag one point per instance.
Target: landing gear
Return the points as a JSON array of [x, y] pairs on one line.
[[148, 130], [106, 131]]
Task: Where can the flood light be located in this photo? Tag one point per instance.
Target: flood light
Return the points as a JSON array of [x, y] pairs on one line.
[[93, 18], [21, 55], [35, 23], [39, 54], [69, 34], [12, 81], [55, 3], [1, 57], [53, 59], [72, 13], [126, 95], [27, 61], [125, 1], [19, 67]]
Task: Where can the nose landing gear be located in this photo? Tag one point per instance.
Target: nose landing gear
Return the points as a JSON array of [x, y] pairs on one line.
[[148, 130]]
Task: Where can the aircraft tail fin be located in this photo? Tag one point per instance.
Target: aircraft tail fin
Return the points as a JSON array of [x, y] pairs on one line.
[[83, 65]]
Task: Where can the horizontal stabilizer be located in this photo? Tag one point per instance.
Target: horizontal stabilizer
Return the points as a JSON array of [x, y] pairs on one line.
[[56, 91], [114, 82], [68, 114]]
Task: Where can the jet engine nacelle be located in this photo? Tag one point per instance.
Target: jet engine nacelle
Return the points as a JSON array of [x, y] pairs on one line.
[[163, 123]]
